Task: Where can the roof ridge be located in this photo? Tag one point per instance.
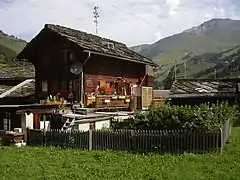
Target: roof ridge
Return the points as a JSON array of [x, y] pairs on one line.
[[49, 26], [89, 42]]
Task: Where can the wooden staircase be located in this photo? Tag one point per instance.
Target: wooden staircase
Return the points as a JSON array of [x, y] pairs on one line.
[[67, 126]]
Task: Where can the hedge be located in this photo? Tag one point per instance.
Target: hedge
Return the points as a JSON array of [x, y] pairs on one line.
[[204, 117]]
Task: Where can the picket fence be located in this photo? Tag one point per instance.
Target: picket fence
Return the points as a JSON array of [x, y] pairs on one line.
[[161, 141]]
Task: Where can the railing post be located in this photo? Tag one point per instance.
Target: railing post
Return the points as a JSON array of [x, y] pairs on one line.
[[90, 140]]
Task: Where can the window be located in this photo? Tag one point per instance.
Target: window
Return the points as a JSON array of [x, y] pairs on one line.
[[64, 56], [46, 117], [89, 83], [63, 85], [70, 86], [7, 121], [71, 56], [92, 126], [44, 86], [45, 121]]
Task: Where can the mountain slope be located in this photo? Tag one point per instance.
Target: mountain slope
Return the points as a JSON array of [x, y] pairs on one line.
[[212, 36], [195, 47], [139, 48], [10, 46]]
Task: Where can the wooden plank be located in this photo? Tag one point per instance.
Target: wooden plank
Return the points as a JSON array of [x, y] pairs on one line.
[[147, 96]]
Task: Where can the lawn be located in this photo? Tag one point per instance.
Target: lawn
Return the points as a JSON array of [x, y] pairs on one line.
[[51, 163]]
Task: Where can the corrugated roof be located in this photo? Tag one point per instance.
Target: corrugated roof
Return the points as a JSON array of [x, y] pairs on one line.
[[184, 88]]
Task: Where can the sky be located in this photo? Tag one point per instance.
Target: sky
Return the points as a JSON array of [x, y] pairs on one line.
[[132, 22]]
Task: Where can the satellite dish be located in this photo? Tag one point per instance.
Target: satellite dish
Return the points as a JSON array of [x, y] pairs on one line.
[[76, 68]]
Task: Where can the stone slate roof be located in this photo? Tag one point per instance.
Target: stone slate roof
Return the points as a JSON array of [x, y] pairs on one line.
[[186, 88], [95, 44], [17, 72], [24, 91], [4, 88]]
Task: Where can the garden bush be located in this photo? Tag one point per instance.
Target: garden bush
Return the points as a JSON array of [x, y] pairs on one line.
[[204, 117]]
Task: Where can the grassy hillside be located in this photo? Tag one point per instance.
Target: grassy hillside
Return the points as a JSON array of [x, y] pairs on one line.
[[10, 46], [194, 47], [209, 65]]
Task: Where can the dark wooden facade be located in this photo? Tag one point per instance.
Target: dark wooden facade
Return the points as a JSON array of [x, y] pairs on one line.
[[55, 54]]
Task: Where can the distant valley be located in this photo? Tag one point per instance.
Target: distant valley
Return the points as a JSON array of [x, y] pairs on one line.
[[208, 50]]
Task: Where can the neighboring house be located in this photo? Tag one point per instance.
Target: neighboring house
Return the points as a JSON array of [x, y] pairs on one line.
[[160, 97], [17, 84], [58, 52], [18, 106], [197, 91]]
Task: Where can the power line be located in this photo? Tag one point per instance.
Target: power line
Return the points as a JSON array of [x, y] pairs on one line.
[[96, 16]]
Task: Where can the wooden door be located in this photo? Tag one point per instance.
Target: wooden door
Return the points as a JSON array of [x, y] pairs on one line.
[[36, 121]]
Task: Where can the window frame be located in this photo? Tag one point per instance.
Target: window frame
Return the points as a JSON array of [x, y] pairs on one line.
[[7, 121], [63, 84], [44, 86], [72, 56]]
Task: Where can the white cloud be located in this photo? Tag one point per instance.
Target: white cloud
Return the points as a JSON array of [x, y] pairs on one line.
[[173, 5], [130, 21]]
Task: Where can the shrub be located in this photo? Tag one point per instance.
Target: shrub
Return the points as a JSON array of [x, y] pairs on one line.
[[169, 117]]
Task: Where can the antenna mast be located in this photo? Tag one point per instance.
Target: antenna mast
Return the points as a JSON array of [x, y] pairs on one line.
[[185, 70], [96, 16], [175, 70], [215, 73]]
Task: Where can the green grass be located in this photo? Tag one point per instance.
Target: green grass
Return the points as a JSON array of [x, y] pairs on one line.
[[51, 163], [9, 47]]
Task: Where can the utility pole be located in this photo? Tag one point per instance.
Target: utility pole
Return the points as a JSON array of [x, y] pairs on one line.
[[185, 70], [215, 73], [96, 16], [175, 70]]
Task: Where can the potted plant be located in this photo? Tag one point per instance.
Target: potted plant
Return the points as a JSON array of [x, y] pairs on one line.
[[47, 101], [61, 108]]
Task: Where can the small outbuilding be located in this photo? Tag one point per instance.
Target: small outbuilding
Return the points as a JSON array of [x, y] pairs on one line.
[[198, 91]]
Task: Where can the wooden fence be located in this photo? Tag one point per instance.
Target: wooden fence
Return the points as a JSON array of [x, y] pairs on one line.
[[173, 141]]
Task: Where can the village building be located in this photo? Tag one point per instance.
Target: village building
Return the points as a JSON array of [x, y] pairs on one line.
[[76, 65], [198, 91], [17, 85], [70, 67]]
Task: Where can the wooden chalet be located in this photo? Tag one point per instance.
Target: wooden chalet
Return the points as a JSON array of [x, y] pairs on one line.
[[78, 65], [198, 91], [17, 99], [17, 85]]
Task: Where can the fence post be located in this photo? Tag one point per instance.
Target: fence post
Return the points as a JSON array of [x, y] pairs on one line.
[[131, 140], [229, 128], [27, 135], [44, 137], [90, 140], [222, 141]]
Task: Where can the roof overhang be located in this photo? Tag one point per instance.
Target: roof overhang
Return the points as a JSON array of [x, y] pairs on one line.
[[27, 53], [118, 57], [203, 95]]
